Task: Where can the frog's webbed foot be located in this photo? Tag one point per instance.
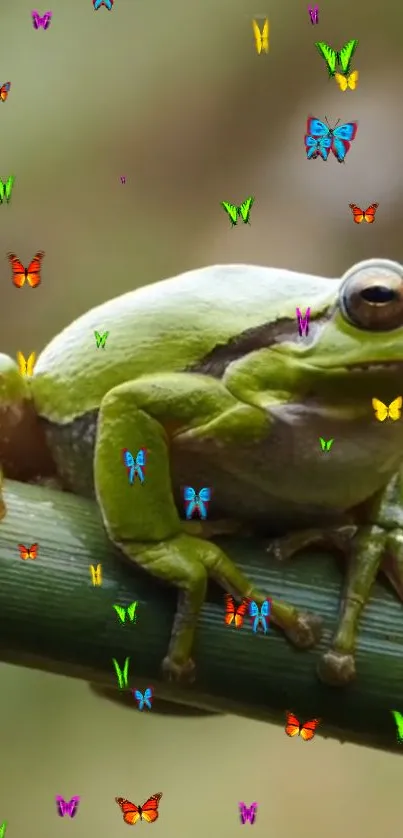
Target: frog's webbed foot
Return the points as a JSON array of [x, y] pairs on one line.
[[336, 668], [179, 672], [306, 631]]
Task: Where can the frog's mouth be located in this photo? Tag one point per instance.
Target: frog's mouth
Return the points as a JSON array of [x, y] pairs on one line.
[[368, 366]]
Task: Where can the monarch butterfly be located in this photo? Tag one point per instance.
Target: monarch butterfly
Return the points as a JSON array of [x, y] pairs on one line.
[[294, 727], [26, 366], [31, 274], [234, 614], [261, 37], [4, 91], [367, 215], [28, 552], [350, 81], [384, 411], [147, 812]]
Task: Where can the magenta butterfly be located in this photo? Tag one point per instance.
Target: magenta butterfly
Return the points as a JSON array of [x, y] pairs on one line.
[[67, 807], [38, 21]]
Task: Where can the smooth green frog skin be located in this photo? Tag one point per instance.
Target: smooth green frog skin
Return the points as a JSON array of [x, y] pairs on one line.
[[207, 371]]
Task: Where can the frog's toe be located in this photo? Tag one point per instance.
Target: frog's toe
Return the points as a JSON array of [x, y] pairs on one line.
[[336, 668], [174, 671], [306, 630]]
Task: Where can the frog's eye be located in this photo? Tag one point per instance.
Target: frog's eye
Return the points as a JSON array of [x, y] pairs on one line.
[[371, 295]]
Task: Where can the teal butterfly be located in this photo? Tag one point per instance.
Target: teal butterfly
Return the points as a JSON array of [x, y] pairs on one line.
[[334, 58], [243, 211], [6, 189]]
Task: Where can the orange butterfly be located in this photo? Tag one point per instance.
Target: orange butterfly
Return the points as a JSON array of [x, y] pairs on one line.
[[31, 274], [367, 215], [147, 812], [4, 91], [28, 552], [294, 727], [235, 614]]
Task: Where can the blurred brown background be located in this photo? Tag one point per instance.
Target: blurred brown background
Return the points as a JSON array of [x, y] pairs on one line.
[[172, 96]]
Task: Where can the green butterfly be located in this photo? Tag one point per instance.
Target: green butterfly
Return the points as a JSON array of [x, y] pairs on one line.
[[326, 444], [243, 211], [130, 611], [399, 724], [5, 193], [101, 339], [3, 828], [333, 58]]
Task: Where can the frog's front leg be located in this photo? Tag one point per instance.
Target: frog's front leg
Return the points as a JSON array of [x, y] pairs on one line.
[[143, 520]]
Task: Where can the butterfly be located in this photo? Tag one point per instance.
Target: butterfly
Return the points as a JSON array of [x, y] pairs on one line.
[[38, 21], [334, 58], [26, 366], [135, 466], [196, 502], [320, 139], [4, 91], [384, 411], [101, 339], [233, 613], [144, 698], [147, 812], [31, 274], [130, 611], [314, 14], [248, 813], [350, 81], [28, 552], [261, 37], [294, 727], [243, 211], [98, 3], [325, 444], [65, 807], [260, 615], [6, 189], [3, 828], [367, 215]]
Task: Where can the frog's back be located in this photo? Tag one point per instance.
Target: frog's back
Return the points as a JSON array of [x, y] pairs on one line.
[[164, 327]]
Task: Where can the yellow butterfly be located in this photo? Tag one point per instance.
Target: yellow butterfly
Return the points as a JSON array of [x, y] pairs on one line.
[[26, 367], [261, 37], [383, 411], [350, 81]]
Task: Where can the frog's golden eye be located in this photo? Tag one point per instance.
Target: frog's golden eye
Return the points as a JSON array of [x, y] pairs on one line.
[[371, 295]]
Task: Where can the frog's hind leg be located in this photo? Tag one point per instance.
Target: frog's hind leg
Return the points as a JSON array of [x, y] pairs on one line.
[[142, 519]]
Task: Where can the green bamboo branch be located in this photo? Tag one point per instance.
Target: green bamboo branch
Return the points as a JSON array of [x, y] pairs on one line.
[[53, 618]]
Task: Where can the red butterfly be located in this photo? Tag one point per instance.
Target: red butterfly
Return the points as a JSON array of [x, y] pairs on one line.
[[360, 215], [234, 614], [147, 812], [31, 274], [294, 727], [4, 91], [28, 552]]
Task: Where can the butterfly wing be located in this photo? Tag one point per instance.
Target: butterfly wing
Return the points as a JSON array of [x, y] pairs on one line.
[[352, 79], [341, 81], [73, 806], [205, 494], [240, 612], [369, 213], [24, 552], [3, 828], [148, 697], [131, 813], [381, 411], [229, 609], [358, 214], [35, 19], [189, 496], [34, 270], [33, 551], [329, 54], [139, 698], [265, 36], [22, 364], [4, 91], [308, 729], [149, 809], [345, 55], [347, 131], [258, 37], [232, 212], [30, 363], [253, 609], [61, 805], [8, 188], [128, 461], [19, 273], [46, 20], [395, 409], [292, 725], [266, 608], [245, 208], [340, 148]]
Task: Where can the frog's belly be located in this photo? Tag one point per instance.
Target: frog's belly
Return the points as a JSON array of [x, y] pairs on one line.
[[287, 479]]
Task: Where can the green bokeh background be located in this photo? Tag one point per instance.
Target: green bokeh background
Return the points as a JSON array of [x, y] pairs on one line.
[[173, 97]]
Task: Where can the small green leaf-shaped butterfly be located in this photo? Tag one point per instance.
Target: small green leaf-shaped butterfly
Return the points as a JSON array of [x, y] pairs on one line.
[[333, 57], [243, 211], [6, 189]]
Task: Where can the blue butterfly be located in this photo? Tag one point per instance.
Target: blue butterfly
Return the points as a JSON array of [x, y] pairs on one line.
[[144, 698], [260, 616], [135, 466], [320, 139], [194, 501], [98, 3]]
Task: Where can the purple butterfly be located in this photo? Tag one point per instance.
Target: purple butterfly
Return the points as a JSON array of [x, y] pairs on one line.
[[314, 14], [65, 807], [38, 21], [248, 814]]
